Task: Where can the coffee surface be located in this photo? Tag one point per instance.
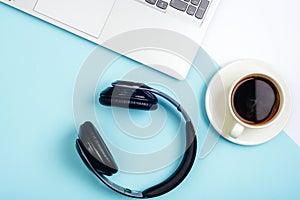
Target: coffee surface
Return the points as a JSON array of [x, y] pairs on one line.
[[255, 100]]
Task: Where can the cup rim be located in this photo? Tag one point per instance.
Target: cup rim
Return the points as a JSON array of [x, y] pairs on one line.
[[280, 109]]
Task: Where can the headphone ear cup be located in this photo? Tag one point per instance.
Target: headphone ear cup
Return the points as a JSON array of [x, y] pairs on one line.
[[128, 98], [127, 103], [92, 145]]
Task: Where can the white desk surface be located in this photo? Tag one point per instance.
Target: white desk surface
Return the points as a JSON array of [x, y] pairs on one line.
[[268, 30]]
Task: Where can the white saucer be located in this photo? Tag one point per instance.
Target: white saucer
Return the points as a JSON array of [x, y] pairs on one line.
[[217, 107]]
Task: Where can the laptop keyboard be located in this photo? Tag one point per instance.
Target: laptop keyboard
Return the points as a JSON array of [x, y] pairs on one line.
[[195, 8]]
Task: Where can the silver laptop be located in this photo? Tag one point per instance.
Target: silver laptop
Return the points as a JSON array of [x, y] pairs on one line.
[[105, 21]]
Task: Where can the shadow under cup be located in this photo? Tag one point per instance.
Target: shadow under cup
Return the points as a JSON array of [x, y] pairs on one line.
[[256, 100]]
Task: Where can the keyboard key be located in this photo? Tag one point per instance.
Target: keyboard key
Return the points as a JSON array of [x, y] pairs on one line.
[[152, 2], [204, 4], [162, 4], [195, 2], [202, 9], [179, 5], [191, 10]]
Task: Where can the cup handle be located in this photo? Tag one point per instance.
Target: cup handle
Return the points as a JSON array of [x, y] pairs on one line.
[[237, 130]]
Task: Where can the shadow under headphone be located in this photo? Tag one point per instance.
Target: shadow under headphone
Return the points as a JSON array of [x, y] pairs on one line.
[[97, 157]]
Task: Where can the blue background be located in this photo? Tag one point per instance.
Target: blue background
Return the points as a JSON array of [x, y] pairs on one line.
[[38, 68]]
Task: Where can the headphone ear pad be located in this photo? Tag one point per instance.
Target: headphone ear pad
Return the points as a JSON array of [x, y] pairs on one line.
[[95, 150], [128, 98]]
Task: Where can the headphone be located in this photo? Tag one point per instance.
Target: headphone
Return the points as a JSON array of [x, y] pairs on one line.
[[97, 157]]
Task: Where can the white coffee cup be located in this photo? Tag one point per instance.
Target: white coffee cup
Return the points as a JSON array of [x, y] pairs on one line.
[[239, 105]]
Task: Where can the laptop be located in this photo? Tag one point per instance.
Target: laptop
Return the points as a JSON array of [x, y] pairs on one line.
[[119, 25]]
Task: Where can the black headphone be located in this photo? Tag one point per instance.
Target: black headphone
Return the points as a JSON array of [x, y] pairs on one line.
[[97, 156]]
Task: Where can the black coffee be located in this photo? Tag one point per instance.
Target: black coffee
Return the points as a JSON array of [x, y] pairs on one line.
[[255, 100]]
